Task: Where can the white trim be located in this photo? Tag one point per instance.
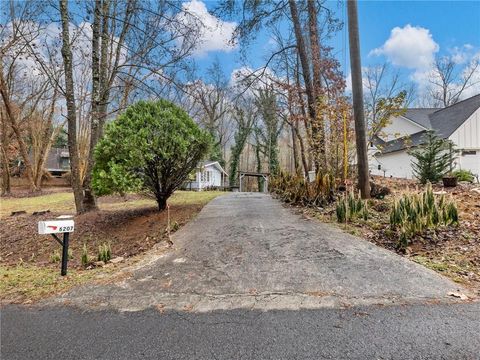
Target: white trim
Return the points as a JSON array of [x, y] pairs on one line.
[[218, 164], [414, 123]]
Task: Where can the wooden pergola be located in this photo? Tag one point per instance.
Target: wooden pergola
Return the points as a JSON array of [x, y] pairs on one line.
[[265, 176]]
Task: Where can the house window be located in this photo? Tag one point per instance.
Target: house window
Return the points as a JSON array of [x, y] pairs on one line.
[[468, 152], [206, 176], [64, 163]]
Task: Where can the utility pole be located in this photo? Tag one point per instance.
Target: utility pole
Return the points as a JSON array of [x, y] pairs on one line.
[[357, 92]]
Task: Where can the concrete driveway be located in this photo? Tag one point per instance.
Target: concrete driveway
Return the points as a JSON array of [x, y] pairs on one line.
[[245, 250]]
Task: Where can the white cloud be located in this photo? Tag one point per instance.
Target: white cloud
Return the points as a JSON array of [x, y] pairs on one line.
[[348, 81], [462, 54], [411, 46], [213, 33]]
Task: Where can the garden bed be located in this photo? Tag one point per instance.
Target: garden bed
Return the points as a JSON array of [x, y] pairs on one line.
[[453, 251], [129, 225]]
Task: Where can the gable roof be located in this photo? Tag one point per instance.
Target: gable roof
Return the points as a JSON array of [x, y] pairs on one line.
[[446, 121], [206, 163], [420, 116], [443, 121]]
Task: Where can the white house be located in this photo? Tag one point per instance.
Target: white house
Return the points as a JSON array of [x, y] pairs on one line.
[[459, 123], [207, 175]]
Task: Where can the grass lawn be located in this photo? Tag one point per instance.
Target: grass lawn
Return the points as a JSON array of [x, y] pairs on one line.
[[62, 202], [27, 272], [26, 283]]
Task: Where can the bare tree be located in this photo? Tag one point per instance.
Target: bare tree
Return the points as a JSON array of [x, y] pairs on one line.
[[449, 80], [386, 95], [6, 137], [268, 127], [69, 93], [29, 102], [133, 46], [244, 118], [212, 106]]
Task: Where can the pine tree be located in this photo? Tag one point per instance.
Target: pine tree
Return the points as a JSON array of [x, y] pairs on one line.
[[432, 159]]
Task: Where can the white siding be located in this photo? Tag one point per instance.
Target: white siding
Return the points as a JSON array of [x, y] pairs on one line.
[[467, 136], [208, 177], [397, 164], [470, 162], [399, 127]]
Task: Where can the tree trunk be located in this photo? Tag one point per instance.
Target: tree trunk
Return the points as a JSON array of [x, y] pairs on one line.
[[308, 166], [104, 71], [259, 167], [89, 201], [296, 165], [161, 202], [302, 153], [71, 108], [6, 187], [46, 141], [236, 153], [318, 127], [357, 92], [302, 53], [16, 129]]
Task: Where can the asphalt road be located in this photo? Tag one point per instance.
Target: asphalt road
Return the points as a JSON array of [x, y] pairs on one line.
[[389, 332]]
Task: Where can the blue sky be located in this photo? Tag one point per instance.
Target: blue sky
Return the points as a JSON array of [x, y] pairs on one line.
[[451, 23], [424, 29]]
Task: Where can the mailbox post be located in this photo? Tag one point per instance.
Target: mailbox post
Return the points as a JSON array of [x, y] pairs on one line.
[[54, 227]]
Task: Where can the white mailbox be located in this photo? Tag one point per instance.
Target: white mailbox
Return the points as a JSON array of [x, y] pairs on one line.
[[55, 226]]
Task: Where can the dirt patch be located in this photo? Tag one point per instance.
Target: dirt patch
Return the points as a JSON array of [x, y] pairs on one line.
[[129, 224], [128, 232]]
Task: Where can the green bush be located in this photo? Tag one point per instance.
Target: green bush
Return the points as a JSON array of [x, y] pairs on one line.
[[350, 207], [85, 259], [151, 148], [55, 257], [104, 252], [464, 175], [414, 213]]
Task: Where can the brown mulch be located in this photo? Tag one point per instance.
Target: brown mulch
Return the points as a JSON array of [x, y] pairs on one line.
[[453, 251], [128, 232], [457, 249]]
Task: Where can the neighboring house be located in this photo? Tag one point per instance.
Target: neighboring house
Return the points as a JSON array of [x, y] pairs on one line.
[[207, 175], [58, 161], [459, 123]]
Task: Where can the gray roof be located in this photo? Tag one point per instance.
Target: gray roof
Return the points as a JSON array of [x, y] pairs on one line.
[[446, 121], [420, 116], [402, 143], [443, 121]]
